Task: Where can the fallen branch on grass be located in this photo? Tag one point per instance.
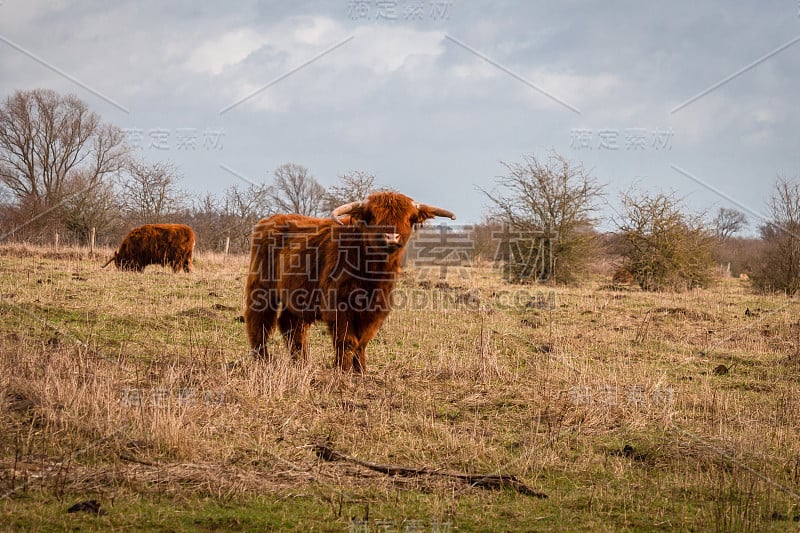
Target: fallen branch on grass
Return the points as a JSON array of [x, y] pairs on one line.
[[486, 481]]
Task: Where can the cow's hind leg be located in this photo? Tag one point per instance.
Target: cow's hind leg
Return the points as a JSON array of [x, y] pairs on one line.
[[260, 318], [295, 334]]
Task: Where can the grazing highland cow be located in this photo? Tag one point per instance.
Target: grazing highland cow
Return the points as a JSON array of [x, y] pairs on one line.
[[156, 244], [340, 270]]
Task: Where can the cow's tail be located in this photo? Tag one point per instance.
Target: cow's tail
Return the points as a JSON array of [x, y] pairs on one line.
[[110, 260]]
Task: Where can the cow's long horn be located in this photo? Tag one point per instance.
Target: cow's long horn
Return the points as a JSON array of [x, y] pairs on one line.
[[345, 210], [437, 211], [109, 261]]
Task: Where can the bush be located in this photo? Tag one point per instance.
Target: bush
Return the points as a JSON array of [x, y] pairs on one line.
[[545, 209], [663, 247]]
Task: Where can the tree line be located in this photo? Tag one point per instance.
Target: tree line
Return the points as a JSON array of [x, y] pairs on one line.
[[657, 241], [63, 170]]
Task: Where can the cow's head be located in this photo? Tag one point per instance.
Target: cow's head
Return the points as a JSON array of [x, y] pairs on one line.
[[386, 219]]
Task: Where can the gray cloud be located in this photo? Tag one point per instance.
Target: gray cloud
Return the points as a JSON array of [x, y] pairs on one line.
[[424, 114]]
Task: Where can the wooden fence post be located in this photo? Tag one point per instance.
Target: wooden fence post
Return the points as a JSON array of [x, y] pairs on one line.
[[55, 242], [92, 236], [227, 245]]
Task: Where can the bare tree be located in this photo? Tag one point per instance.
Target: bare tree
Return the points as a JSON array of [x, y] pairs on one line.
[[90, 207], [294, 190], [664, 247], [547, 208], [242, 209], [785, 203], [52, 146], [728, 222], [779, 265], [149, 192], [353, 186], [205, 217]]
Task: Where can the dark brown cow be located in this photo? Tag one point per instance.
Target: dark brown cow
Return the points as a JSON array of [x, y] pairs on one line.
[[339, 270], [156, 244]]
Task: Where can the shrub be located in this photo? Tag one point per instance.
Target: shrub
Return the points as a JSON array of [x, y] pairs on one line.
[[662, 246], [546, 210]]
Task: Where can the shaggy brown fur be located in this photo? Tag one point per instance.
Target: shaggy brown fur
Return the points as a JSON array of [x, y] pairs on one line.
[[340, 271], [156, 244]]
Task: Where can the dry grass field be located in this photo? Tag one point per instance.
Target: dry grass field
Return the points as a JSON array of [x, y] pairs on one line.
[[630, 411]]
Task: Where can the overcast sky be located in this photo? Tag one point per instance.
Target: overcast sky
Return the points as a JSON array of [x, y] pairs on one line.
[[430, 95]]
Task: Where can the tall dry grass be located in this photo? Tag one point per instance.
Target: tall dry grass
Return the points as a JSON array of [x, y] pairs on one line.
[[654, 410]]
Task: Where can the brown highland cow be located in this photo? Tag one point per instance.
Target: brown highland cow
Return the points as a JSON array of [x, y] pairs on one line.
[[156, 244], [339, 270]]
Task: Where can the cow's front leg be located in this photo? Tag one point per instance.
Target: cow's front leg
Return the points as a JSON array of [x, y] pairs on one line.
[[346, 355], [360, 359], [345, 346], [369, 328]]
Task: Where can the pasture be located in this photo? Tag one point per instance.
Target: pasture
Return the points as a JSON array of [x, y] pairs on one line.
[[630, 411]]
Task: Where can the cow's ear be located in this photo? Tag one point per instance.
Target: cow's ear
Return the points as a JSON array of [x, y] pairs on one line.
[[362, 215], [350, 220]]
